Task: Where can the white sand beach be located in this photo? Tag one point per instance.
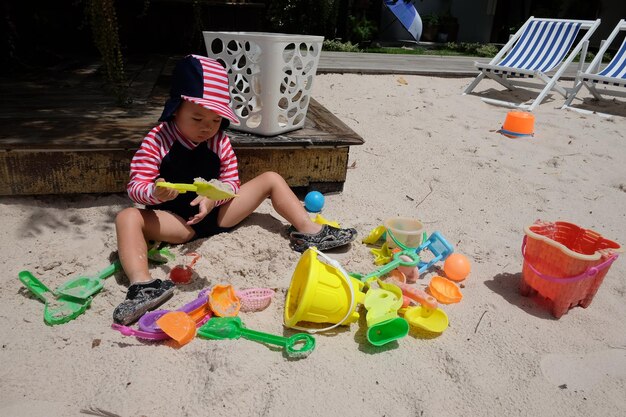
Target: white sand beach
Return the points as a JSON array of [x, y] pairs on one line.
[[429, 153]]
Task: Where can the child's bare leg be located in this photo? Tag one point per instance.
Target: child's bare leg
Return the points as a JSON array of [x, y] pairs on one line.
[[135, 227], [284, 201]]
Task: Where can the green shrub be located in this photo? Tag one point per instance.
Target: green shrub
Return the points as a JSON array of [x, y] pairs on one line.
[[336, 45], [361, 29], [472, 48], [487, 50]]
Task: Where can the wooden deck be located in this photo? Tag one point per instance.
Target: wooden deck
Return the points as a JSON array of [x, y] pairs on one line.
[[62, 133]]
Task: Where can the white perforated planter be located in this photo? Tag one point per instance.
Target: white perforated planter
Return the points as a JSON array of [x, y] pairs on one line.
[[271, 76]]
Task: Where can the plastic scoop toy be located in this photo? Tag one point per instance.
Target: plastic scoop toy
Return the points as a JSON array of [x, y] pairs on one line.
[[82, 288], [300, 345], [432, 320], [205, 189], [57, 310], [444, 290], [179, 326], [224, 301], [198, 309]]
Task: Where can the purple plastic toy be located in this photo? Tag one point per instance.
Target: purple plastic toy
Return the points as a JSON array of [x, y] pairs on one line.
[[147, 323]]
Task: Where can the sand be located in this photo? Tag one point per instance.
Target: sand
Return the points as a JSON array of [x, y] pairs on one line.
[[429, 153]]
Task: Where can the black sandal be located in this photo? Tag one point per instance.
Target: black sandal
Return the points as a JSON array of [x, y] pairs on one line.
[[141, 298], [327, 238]]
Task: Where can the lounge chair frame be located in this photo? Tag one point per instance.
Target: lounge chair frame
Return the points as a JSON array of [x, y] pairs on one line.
[[592, 76], [508, 76]]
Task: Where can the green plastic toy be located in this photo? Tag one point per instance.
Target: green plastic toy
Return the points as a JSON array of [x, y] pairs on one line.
[[82, 288], [383, 323], [395, 262], [57, 310], [77, 293], [300, 345]]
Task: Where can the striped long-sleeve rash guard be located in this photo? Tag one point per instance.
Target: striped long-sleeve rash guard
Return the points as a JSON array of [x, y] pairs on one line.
[[166, 153]]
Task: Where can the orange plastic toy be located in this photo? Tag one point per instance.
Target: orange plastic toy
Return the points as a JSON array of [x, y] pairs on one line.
[[224, 301], [457, 267], [444, 290], [518, 124], [565, 264], [179, 326]]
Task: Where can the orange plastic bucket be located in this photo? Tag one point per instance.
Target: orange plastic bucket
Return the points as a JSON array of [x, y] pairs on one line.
[[518, 124], [565, 263]]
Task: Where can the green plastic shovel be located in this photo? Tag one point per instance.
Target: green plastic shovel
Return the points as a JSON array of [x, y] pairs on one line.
[[82, 288], [57, 310], [300, 345]]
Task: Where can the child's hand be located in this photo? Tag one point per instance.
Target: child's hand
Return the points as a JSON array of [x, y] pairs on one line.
[[164, 194], [204, 207]]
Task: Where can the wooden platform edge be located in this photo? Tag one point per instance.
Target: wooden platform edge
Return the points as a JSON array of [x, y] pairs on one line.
[[106, 171]]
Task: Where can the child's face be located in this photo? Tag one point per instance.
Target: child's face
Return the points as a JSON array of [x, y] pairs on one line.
[[196, 123]]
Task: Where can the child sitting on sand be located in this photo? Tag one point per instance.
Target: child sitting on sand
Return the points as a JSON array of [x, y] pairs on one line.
[[191, 143]]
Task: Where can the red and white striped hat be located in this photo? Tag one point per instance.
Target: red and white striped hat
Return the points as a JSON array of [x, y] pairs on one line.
[[202, 81]]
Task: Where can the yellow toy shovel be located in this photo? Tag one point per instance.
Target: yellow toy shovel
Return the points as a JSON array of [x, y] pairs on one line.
[[205, 189]]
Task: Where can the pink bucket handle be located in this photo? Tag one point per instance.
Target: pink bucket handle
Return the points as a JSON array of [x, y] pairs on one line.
[[589, 273]]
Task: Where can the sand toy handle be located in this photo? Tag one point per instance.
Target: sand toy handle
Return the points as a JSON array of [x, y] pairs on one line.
[[298, 343], [34, 285], [181, 188], [110, 270], [393, 264]]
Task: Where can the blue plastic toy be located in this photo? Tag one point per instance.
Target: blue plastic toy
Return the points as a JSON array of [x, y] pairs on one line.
[[438, 246], [314, 202]]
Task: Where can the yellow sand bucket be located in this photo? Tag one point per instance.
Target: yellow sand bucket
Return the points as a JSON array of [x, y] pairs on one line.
[[321, 292]]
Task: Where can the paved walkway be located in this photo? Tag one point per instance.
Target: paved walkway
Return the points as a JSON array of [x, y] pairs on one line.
[[441, 66], [366, 63]]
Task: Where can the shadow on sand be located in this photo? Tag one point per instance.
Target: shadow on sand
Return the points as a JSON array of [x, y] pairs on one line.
[[507, 286]]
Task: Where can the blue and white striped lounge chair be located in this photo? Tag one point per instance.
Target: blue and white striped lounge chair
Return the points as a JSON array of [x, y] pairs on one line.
[[613, 75], [540, 47]]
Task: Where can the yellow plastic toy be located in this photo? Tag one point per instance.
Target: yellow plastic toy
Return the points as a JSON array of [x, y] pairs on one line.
[[432, 320], [321, 292], [383, 323], [375, 235], [321, 220], [205, 189], [383, 255]]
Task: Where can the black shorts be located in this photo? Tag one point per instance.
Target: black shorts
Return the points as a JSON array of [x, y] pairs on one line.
[[181, 206]]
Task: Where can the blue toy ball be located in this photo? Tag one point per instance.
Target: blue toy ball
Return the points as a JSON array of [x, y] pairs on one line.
[[314, 202]]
